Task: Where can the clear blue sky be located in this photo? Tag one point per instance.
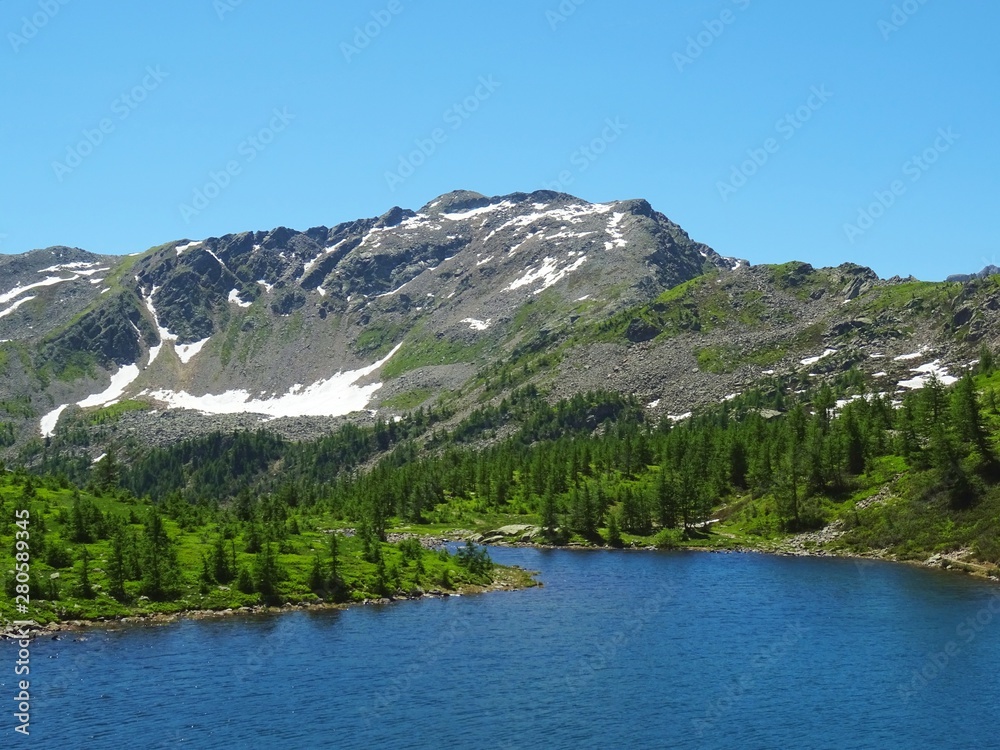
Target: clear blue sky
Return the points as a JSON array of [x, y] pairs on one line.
[[542, 81]]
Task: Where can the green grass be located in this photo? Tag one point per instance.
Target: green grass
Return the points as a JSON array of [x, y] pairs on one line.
[[19, 407], [408, 399], [76, 365], [717, 359], [430, 350], [378, 338], [256, 338], [112, 413], [924, 296], [50, 507]]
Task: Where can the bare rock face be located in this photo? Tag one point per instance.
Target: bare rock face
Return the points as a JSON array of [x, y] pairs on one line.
[[469, 296]]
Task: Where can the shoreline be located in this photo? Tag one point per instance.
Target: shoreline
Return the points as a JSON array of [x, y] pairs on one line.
[[515, 579], [788, 548], [522, 580]]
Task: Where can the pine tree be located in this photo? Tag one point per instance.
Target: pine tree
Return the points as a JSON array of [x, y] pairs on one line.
[[634, 514], [220, 566], [117, 564], [967, 418], [614, 530], [317, 581], [86, 591], [666, 500], [334, 582], [550, 514], [107, 472], [266, 573], [159, 560]]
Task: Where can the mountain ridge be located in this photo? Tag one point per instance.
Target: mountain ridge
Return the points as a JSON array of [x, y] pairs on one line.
[[456, 302], [457, 268]]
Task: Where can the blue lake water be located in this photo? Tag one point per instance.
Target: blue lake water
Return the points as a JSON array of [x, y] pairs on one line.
[[618, 649]]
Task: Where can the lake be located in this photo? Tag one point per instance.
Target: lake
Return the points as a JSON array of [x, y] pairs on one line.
[[618, 649]]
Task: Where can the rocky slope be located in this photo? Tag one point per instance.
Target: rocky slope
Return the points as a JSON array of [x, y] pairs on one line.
[[464, 299]]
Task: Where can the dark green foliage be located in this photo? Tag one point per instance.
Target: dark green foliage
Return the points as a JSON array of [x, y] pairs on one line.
[[267, 574], [475, 559], [86, 591], [160, 569], [614, 530]]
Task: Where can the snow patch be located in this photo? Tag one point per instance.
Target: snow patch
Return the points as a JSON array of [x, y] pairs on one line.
[[915, 355], [119, 382], [548, 273], [50, 420], [614, 230], [474, 212], [315, 261], [164, 334], [12, 308], [188, 246], [477, 325], [396, 290], [234, 297], [333, 397], [653, 404], [186, 352], [74, 266], [813, 360], [924, 375], [19, 290], [679, 417], [267, 287]]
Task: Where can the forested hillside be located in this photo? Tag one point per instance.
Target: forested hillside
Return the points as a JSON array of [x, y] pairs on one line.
[[234, 519]]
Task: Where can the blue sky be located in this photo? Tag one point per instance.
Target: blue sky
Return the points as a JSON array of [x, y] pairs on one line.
[[862, 130]]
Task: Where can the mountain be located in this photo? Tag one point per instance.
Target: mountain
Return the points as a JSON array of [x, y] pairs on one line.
[[456, 304], [989, 270]]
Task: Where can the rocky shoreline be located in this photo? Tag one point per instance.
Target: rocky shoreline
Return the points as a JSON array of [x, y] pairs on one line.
[[800, 545], [505, 582]]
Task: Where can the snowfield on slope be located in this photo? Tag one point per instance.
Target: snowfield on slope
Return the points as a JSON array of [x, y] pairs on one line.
[[119, 382], [334, 397]]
